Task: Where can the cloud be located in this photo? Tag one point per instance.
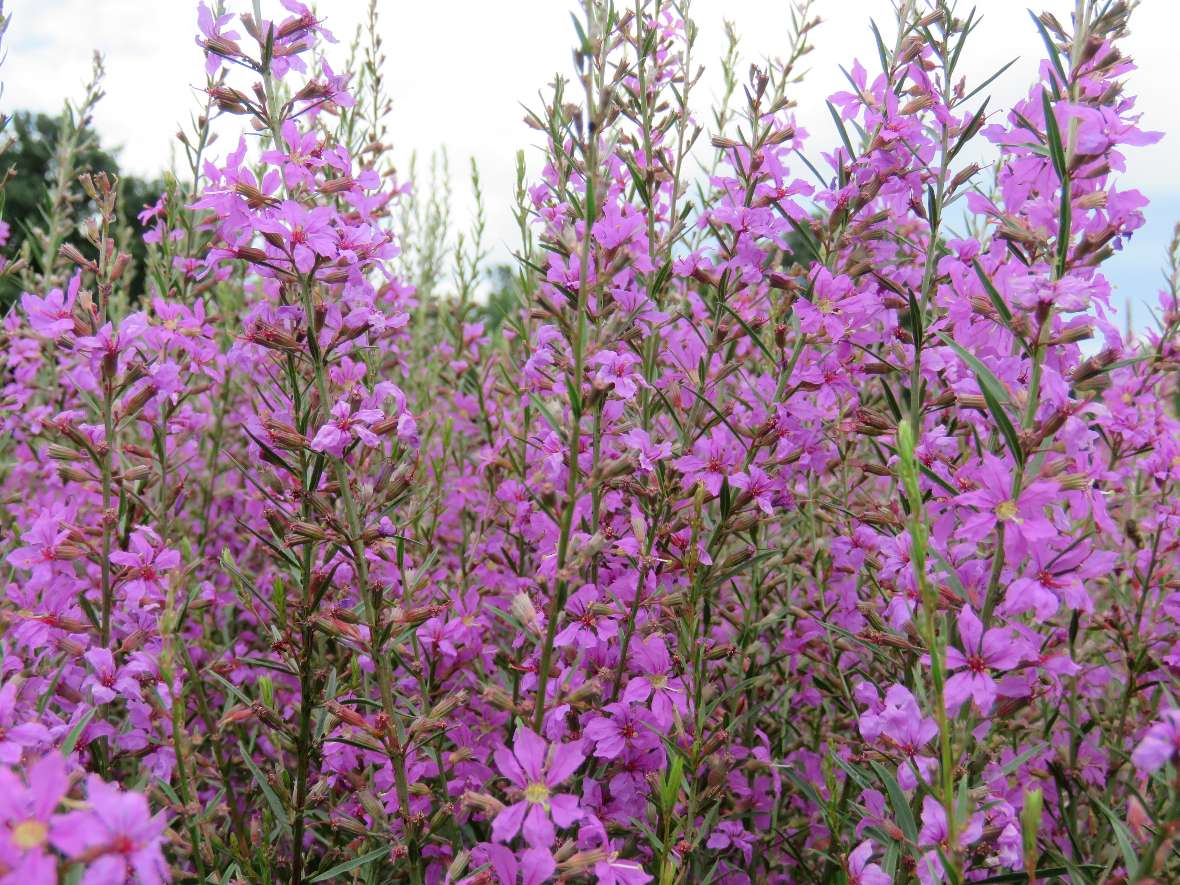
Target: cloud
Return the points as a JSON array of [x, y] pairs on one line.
[[459, 72]]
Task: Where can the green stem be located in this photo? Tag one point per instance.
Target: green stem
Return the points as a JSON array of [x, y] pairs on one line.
[[578, 345]]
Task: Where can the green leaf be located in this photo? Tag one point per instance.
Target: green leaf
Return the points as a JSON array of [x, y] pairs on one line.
[[71, 741], [638, 182], [753, 335], [982, 86], [1043, 873], [583, 43], [859, 777], [901, 806], [917, 326], [949, 572], [272, 798], [993, 293], [937, 480], [1005, 425], [231, 688], [823, 182], [968, 27], [1064, 228], [1018, 761], [1053, 135], [1051, 48], [805, 786], [269, 665], [993, 394], [891, 400], [368, 857], [574, 392], [1130, 858], [843, 132], [987, 381], [670, 789], [970, 130], [882, 54], [545, 413]]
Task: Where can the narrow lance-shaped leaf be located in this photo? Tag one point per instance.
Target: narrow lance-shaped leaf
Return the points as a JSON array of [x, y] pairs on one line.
[[994, 395]]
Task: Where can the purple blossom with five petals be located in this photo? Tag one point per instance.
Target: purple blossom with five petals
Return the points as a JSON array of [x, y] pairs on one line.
[[333, 438], [535, 768], [997, 649]]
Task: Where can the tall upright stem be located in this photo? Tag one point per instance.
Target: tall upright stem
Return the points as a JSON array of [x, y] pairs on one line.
[[578, 346]]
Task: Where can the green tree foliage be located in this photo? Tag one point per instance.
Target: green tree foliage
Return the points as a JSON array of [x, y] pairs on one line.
[[32, 155]]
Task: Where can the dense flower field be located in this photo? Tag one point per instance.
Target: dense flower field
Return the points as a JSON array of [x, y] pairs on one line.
[[808, 517]]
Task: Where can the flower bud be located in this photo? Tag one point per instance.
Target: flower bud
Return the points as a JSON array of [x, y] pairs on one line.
[[136, 473], [134, 403], [70, 252], [522, 609], [489, 805], [235, 715], [499, 699], [346, 714], [300, 532]]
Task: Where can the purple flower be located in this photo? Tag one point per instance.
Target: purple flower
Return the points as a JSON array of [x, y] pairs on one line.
[[618, 225], [301, 159], [760, 487], [120, 831], [438, 637], [211, 27], [1052, 578], [730, 833], [825, 311], [146, 563], [535, 865], [334, 437], [619, 871], [712, 460], [666, 691], [1160, 745], [16, 736], [900, 725], [623, 730], [934, 833], [586, 627], [982, 652], [53, 315], [860, 871], [107, 681], [535, 768], [617, 370], [27, 819], [646, 451], [1023, 516], [43, 548], [306, 233]]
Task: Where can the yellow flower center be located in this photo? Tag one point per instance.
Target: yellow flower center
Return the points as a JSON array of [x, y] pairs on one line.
[[29, 834], [658, 682], [537, 794], [825, 305], [1006, 510]]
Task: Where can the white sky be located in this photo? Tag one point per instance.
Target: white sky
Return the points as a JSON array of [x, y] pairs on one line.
[[458, 71]]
